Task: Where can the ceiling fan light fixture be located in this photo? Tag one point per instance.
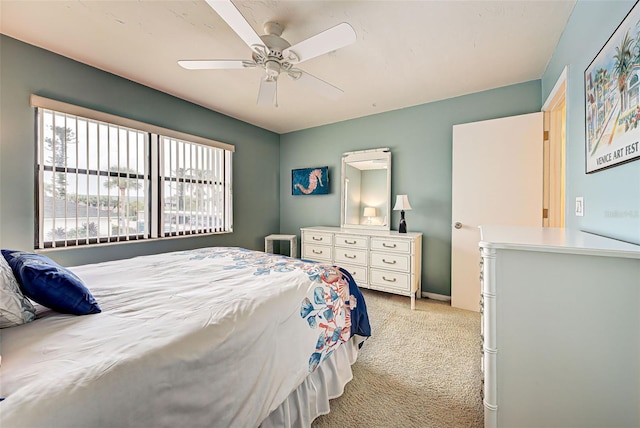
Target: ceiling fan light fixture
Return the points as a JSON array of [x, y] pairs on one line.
[[272, 68]]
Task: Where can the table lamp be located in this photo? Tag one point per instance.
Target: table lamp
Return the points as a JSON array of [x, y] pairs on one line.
[[402, 205], [368, 213]]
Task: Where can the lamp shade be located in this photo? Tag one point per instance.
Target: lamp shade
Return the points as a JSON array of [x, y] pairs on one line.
[[402, 203], [369, 212]]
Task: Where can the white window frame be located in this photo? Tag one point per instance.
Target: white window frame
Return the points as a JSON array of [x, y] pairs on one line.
[[215, 215], [152, 177]]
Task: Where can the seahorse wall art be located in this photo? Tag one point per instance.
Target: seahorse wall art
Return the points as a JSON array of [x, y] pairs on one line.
[[310, 181]]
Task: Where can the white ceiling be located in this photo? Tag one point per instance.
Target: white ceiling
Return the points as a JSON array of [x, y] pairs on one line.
[[407, 52]]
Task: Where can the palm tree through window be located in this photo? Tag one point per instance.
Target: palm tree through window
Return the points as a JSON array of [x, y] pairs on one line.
[[95, 183]]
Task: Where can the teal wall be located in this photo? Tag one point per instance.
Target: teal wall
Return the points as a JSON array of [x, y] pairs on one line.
[[611, 196], [26, 70], [420, 139]]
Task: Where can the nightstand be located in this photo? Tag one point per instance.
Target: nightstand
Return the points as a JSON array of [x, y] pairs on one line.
[[293, 243]]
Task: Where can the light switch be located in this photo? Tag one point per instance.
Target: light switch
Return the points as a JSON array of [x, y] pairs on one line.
[[579, 206]]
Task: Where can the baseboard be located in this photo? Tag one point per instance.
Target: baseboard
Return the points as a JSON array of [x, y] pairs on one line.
[[435, 296]]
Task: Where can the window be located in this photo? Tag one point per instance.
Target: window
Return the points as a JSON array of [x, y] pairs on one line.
[[101, 178], [193, 180]]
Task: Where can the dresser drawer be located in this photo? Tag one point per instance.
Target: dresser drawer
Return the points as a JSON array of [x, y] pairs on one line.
[[391, 281], [359, 274], [383, 244], [350, 256], [318, 238], [320, 253], [385, 261], [350, 241], [399, 262]]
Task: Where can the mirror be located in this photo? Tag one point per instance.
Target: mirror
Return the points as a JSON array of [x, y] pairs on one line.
[[366, 189]]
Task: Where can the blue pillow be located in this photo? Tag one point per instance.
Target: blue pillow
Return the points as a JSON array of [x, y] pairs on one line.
[[46, 282]]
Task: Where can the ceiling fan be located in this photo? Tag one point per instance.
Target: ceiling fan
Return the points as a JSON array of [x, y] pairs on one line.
[[276, 55]]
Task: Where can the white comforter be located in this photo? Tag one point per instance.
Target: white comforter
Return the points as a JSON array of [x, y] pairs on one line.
[[212, 337]]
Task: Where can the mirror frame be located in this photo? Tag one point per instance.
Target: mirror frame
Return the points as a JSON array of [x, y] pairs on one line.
[[382, 155]]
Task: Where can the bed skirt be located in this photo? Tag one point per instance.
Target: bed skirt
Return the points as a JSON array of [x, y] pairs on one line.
[[311, 398]]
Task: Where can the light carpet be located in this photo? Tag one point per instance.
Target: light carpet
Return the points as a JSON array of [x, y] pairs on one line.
[[418, 369]]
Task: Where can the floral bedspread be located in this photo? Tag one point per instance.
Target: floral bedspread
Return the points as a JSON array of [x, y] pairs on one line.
[[213, 334], [334, 306]]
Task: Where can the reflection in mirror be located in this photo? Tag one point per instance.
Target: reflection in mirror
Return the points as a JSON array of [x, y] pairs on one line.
[[366, 189]]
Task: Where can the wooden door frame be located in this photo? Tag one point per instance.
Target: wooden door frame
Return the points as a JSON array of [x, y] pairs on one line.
[[554, 110]]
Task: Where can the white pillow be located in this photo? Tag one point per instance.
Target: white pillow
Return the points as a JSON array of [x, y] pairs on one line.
[[15, 308]]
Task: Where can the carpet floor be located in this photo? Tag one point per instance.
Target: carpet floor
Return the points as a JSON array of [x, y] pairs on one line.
[[418, 369]]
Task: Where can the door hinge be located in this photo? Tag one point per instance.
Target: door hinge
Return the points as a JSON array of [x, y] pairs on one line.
[[545, 213], [545, 135]]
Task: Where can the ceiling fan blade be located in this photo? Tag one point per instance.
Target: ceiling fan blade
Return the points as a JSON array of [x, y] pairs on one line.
[[329, 40], [215, 64], [236, 21], [267, 92], [319, 85]]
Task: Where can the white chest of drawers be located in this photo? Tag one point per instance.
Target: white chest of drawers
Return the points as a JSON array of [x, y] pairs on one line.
[[561, 329], [381, 260]]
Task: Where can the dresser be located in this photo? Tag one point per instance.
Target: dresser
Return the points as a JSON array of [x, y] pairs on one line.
[[560, 329], [381, 260]]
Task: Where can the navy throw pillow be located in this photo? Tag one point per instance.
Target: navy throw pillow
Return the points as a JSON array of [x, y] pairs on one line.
[[46, 282]]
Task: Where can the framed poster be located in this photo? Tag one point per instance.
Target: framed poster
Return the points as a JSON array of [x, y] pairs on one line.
[[612, 98], [310, 181]]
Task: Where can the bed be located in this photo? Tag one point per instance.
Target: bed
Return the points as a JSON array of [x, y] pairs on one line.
[[213, 337]]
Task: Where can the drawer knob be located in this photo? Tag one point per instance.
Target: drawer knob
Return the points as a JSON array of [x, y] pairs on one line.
[[316, 239], [384, 244], [349, 257], [392, 262], [349, 242], [316, 252], [389, 280]]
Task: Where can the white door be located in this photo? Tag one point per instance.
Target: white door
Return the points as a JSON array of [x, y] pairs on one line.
[[497, 180]]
